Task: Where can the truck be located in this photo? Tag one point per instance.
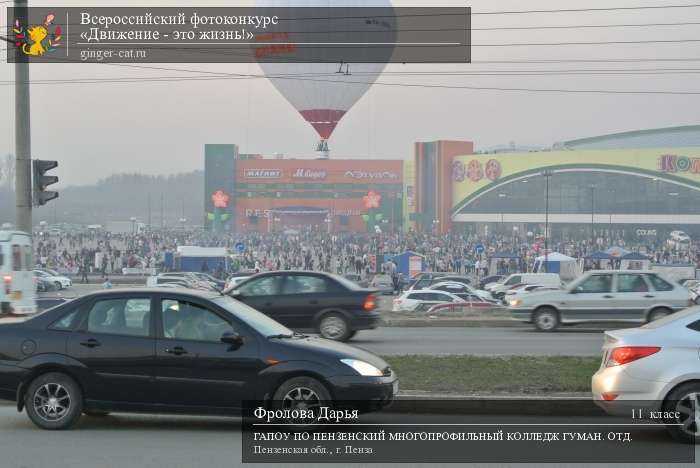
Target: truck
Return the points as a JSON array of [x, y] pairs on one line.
[[675, 271], [17, 292], [124, 227], [201, 259]]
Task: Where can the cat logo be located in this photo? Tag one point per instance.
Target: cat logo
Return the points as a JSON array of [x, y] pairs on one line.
[[36, 40]]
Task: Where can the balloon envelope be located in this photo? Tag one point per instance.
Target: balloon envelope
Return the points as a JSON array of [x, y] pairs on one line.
[[323, 92]]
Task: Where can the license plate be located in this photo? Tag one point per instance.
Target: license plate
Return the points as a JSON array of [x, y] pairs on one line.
[[396, 387], [17, 295]]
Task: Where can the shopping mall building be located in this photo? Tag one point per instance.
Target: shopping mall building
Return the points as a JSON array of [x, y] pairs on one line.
[[646, 182]]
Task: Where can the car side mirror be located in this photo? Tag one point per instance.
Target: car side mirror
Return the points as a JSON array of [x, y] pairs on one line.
[[233, 339], [577, 290], [235, 293]]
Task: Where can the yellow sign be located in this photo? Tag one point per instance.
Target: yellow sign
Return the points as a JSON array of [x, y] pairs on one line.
[[472, 173]]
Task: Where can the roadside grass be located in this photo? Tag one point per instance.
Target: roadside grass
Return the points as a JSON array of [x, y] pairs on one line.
[[502, 374]]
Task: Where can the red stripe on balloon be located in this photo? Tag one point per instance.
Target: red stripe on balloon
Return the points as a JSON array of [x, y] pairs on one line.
[[323, 120]]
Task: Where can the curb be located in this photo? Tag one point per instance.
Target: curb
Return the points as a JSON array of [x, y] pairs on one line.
[[473, 323], [574, 404]]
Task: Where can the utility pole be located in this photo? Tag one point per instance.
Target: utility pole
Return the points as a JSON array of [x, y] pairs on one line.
[[546, 174], [593, 186], [23, 141]]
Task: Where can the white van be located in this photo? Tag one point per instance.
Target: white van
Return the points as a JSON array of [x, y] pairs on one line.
[[548, 280], [17, 291]]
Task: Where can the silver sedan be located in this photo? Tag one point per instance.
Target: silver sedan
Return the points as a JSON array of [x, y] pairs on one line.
[[654, 368]]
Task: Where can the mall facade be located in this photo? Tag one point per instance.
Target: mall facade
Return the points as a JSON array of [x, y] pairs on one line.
[[643, 182]]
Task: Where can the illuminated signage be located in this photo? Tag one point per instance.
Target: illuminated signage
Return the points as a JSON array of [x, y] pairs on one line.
[[475, 170], [376, 175], [314, 174], [262, 173], [673, 163]]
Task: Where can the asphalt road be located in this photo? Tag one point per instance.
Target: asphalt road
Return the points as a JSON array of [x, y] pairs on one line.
[[144, 441], [484, 341]]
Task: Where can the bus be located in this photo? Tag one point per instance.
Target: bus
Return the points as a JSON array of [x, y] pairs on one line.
[[17, 291]]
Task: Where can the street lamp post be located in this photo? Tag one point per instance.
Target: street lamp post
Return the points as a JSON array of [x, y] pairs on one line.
[[133, 225], [593, 186], [502, 196], [546, 175]]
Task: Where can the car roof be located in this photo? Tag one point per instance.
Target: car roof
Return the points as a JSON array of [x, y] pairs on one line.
[[428, 291], [136, 291], [646, 272]]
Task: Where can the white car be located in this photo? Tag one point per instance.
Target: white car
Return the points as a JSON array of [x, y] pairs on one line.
[[60, 281], [551, 280], [679, 236], [658, 365], [234, 281], [460, 289], [423, 299], [525, 289], [695, 295]]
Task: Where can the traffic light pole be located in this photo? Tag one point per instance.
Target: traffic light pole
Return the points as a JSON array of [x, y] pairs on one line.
[[23, 143]]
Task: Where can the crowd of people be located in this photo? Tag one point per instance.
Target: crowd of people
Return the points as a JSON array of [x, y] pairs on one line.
[[90, 252]]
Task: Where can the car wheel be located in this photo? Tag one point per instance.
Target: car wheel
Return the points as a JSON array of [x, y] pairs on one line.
[[546, 319], [334, 327], [54, 401], [58, 286], [96, 414], [657, 314], [686, 401], [352, 334], [302, 393], [697, 300]]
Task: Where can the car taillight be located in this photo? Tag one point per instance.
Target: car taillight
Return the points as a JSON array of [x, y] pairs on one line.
[[370, 303], [627, 354], [609, 396], [7, 279]]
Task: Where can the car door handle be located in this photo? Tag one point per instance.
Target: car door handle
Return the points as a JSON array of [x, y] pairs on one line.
[[177, 351], [313, 302], [608, 296], [91, 343], [649, 296]]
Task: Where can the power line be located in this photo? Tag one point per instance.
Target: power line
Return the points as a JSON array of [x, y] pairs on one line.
[[147, 79], [431, 86], [581, 10]]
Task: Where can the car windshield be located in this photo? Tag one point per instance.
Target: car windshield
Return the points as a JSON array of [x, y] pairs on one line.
[[260, 322], [672, 318]]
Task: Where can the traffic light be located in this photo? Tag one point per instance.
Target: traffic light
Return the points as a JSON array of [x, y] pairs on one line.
[[41, 181]]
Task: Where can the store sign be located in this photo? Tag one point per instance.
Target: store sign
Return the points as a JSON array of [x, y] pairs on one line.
[[262, 173], [673, 163], [646, 232], [266, 213], [367, 175], [249, 213], [475, 170], [313, 174]]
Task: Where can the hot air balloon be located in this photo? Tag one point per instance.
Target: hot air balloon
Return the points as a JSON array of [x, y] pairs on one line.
[[324, 92]]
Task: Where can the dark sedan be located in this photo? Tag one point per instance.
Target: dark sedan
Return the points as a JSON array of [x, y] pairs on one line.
[[331, 305], [170, 351]]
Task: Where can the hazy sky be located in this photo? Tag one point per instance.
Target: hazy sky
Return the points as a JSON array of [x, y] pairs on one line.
[[95, 130]]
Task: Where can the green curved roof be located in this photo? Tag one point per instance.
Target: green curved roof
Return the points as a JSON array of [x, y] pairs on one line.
[[684, 136]]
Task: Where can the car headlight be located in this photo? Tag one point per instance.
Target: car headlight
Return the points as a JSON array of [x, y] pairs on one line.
[[515, 302], [363, 368]]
